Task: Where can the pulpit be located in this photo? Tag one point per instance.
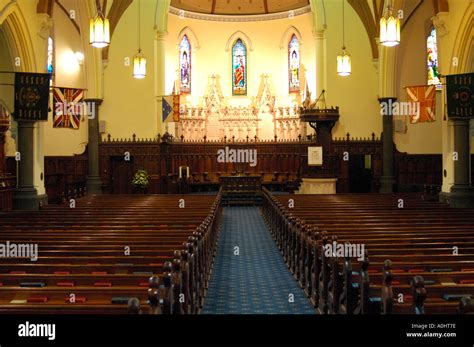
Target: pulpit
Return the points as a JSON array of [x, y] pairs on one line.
[[322, 120]]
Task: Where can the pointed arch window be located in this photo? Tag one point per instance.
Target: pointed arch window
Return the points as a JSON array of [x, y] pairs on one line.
[[239, 68], [185, 65], [432, 60], [50, 63], [294, 64]]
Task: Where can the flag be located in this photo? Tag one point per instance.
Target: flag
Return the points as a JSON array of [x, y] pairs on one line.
[[68, 108], [171, 108], [425, 96]]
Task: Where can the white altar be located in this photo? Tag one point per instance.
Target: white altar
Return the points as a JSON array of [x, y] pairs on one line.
[[266, 117]]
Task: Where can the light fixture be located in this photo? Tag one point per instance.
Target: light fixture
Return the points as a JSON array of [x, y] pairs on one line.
[[99, 30], [139, 65], [80, 57], [389, 29], [344, 65], [139, 60]]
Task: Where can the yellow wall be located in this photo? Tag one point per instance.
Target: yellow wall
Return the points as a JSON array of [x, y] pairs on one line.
[[266, 58], [129, 104], [69, 74], [356, 95], [421, 138]]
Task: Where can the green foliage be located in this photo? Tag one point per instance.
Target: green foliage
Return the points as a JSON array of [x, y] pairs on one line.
[[141, 179]]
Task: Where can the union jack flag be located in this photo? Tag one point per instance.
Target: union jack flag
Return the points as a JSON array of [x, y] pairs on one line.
[[68, 107], [426, 97]]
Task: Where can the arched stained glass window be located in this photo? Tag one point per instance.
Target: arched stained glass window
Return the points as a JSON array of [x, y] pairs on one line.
[[50, 66], [294, 63], [239, 68], [185, 65], [432, 59]]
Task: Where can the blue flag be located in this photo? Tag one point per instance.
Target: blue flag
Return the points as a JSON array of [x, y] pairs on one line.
[[167, 110], [171, 108]]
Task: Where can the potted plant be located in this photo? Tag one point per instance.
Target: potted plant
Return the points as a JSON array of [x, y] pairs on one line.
[[141, 181]]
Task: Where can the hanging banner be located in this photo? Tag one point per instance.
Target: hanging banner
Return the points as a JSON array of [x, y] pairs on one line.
[[31, 96], [460, 90]]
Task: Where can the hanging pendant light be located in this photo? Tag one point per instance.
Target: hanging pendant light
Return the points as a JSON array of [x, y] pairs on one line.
[[139, 65], [99, 30], [139, 60], [389, 29], [344, 65]]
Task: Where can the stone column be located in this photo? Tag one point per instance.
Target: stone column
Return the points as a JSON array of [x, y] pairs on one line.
[[160, 76], [94, 182], [26, 195], [387, 181], [462, 193], [320, 43]]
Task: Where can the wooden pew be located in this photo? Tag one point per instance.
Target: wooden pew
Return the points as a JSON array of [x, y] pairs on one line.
[[388, 232], [81, 252]]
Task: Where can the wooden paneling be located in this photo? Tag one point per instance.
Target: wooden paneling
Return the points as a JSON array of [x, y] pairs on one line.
[[419, 170], [65, 177], [279, 163]]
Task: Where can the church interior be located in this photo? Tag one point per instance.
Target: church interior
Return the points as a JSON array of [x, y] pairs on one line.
[[247, 157]]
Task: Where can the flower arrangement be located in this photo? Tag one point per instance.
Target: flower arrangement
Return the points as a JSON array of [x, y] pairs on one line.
[[141, 179]]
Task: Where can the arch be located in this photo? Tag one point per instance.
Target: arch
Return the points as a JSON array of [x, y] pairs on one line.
[[288, 34], [161, 15], [192, 37], [464, 43], [238, 35], [18, 38], [6, 9]]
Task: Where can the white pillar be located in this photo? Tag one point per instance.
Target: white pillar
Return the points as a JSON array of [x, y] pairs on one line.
[[160, 76], [321, 64]]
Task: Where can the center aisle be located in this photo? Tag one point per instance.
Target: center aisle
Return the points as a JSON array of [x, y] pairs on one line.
[[256, 280]]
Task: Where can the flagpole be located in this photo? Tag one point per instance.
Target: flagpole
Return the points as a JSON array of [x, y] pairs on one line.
[[424, 85]]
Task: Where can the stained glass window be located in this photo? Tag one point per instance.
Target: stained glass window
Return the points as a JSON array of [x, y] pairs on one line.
[[50, 55], [239, 68], [432, 60], [294, 64], [185, 65]]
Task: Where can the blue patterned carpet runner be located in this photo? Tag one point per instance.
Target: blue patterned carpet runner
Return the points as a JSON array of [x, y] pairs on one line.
[[256, 280]]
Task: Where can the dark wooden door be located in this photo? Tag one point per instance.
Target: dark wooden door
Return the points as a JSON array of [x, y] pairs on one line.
[[121, 175], [360, 175]]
